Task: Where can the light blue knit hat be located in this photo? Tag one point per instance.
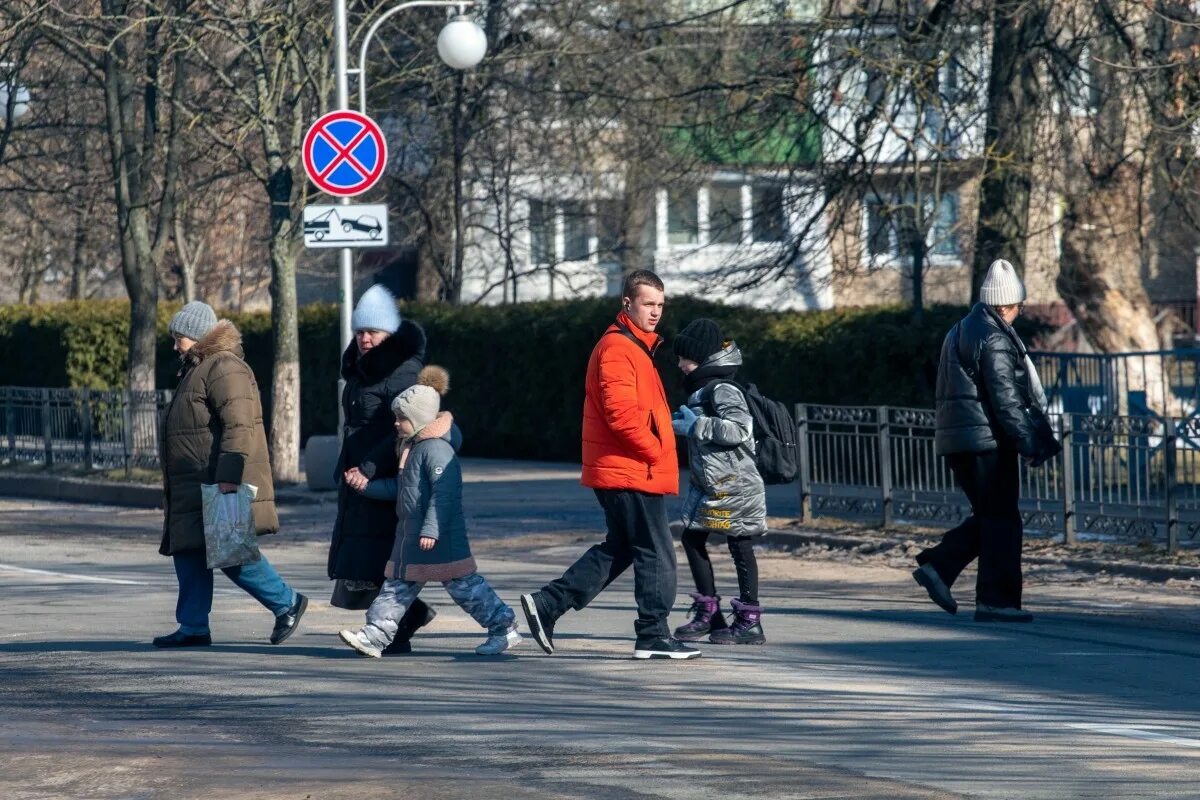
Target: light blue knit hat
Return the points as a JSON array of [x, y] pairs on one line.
[[376, 311]]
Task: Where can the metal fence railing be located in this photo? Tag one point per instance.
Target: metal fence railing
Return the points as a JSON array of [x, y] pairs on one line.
[[95, 429], [1121, 477], [1163, 382], [1126, 478]]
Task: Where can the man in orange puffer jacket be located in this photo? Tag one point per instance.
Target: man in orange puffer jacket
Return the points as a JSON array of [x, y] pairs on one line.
[[629, 460]]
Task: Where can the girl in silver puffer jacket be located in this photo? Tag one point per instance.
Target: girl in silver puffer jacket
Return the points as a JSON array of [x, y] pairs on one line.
[[725, 494]]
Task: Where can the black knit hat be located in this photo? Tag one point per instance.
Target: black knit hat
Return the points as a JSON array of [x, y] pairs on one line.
[[699, 339]]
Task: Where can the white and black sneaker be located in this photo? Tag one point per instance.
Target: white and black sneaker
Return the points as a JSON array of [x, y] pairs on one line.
[[541, 627], [664, 648]]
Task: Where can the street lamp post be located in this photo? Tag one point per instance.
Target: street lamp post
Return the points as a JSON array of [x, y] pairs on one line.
[[461, 45]]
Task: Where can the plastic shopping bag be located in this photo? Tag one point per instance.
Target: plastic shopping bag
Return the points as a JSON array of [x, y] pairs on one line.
[[229, 536]]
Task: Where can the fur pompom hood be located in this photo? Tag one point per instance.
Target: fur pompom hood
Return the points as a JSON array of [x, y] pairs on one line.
[[436, 378]]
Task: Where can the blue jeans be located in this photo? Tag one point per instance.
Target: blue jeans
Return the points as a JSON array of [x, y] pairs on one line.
[[258, 579]]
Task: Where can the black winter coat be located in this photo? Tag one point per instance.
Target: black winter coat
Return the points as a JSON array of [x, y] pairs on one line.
[[984, 398], [365, 528]]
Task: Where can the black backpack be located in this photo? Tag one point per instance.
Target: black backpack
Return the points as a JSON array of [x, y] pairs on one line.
[[775, 434]]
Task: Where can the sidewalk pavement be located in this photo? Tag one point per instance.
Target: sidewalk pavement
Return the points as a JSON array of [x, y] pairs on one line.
[[786, 533]]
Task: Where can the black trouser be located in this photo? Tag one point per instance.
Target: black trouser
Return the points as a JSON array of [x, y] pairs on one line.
[[992, 533], [638, 535], [695, 547]]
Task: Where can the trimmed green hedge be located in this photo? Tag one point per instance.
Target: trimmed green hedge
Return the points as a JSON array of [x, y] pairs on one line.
[[516, 371]]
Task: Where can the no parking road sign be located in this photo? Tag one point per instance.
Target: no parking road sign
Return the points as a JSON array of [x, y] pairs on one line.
[[344, 153]]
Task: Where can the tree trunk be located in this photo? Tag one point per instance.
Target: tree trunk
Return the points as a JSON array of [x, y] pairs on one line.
[[917, 250], [1010, 138], [1108, 216], [285, 385], [639, 210], [133, 222], [78, 289]]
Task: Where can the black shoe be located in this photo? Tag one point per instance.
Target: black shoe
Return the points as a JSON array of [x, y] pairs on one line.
[[418, 615], [664, 648], [938, 591], [541, 626], [984, 613], [287, 622], [398, 647], [181, 639]]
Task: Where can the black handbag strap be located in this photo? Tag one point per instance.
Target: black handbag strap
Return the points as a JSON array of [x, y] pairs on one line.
[[622, 330]]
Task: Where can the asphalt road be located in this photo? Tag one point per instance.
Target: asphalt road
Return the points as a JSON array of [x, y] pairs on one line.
[[864, 690]]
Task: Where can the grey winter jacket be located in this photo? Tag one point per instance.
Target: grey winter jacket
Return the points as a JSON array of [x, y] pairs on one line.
[[985, 399], [725, 492], [429, 504]]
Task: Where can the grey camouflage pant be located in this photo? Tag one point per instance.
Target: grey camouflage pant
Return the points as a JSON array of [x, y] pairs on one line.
[[473, 594]]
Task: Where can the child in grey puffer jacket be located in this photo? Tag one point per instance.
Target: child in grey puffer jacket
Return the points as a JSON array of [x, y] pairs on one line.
[[431, 536], [725, 495]]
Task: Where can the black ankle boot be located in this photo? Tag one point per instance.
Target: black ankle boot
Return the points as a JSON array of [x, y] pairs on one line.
[[746, 629], [418, 615]]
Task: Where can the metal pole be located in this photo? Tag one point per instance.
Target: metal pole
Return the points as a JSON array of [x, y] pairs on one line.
[[1066, 427], [885, 466], [345, 254], [1171, 487], [805, 481], [361, 70]]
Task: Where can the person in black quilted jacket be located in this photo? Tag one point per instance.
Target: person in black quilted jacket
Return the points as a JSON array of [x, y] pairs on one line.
[[991, 411], [384, 359]]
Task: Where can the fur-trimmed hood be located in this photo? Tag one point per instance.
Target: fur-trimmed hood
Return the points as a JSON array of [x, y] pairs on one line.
[[224, 337], [440, 428], [379, 362]]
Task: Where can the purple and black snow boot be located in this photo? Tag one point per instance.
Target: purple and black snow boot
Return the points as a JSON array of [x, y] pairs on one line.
[[746, 629], [708, 618]]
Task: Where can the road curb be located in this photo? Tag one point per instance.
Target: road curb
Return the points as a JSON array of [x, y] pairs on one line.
[[796, 539], [116, 493], [80, 490]]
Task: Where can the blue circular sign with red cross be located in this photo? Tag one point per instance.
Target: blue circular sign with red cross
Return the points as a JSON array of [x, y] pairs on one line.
[[344, 153]]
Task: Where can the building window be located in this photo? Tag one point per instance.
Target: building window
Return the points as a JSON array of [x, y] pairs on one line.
[[944, 234], [576, 244], [892, 223], [725, 213], [769, 223], [1083, 87], [682, 224], [541, 232], [879, 229]]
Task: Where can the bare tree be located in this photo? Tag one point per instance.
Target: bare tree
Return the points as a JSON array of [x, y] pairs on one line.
[[270, 76]]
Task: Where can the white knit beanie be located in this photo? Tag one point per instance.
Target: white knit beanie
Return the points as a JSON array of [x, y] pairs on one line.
[[1001, 286], [376, 311], [418, 404]]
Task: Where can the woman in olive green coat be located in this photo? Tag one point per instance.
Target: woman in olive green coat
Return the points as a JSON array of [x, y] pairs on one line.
[[213, 433]]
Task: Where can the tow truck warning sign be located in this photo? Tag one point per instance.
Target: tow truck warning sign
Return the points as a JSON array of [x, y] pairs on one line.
[[345, 226]]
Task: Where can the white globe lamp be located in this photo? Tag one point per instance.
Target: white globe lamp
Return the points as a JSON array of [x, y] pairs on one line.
[[462, 44]]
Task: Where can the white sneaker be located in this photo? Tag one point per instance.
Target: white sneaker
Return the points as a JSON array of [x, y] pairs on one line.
[[361, 643], [495, 645]]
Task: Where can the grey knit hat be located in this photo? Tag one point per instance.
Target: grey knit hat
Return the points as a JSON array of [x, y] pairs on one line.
[[418, 404], [1001, 286], [376, 311], [193, 320]]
